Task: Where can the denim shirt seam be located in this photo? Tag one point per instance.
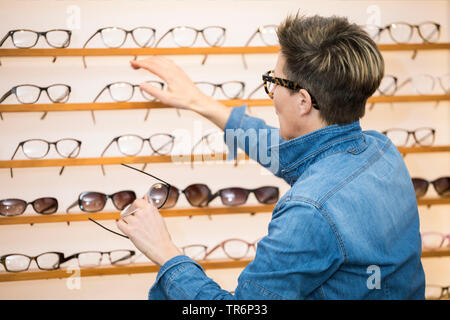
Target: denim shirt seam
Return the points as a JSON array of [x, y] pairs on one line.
[[375, 157], [171, 283], [297, 163], [321, 210], [264, 289]]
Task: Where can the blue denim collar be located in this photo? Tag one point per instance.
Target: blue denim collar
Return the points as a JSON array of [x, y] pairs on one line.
[[297, 154]]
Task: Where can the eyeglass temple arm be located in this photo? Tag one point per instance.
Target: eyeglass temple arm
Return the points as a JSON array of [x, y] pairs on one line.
[[108, 229], [403, 84], [104, 151], [95, 100], [256, 89], [3, 40], [72, 205], [244, 61], [148, 174], [70, 155], [206, 55], [10, 169], [163, 36], [3, 98], [193, 149], [155, 151], [212, 250], [215, 195], [85, 44]]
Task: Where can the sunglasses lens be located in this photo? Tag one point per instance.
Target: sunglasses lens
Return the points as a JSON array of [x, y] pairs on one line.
[[233, 196], [442, 186], [420, 187], [12, 207], [267, 195], [159, 195], [93, 201], [45, 205], [123, 198], [197, 194]]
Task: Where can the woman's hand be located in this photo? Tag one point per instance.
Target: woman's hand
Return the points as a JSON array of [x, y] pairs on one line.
[[148, 232], [181, 91]]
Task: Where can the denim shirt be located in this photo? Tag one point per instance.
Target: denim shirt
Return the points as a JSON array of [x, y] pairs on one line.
[[348, 228]]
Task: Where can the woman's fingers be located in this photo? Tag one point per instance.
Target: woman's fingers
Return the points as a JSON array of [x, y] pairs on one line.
[[153, 91], [155, 65]]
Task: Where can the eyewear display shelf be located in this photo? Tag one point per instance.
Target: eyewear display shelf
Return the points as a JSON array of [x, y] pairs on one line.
[[49, 107], [175, 212], [148, 268], [70, 52], [185, 159], [115, 215]]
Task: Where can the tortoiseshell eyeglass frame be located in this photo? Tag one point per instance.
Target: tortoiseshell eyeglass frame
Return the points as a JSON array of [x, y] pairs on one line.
[[284, 83]]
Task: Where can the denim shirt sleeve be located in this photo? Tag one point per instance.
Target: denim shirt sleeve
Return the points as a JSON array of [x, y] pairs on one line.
[[254, 136], [299, 253]]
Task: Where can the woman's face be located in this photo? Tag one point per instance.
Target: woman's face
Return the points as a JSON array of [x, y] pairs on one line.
[[286, 105]]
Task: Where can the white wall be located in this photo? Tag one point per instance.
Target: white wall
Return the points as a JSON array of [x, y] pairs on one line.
[[240, 18]]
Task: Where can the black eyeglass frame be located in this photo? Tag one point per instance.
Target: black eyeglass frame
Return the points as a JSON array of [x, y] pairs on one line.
[[249, 191], [287, 84], [32, 204], [79, 201], [159, 207]]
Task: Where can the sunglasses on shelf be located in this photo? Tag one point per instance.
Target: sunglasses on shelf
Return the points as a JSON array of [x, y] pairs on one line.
[[90, 201], [441, 185], [15, 207]]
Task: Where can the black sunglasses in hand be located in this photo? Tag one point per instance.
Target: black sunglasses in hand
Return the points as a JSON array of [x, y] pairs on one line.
[[130, 209]]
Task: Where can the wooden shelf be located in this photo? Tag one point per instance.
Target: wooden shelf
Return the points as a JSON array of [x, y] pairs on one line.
[[49, 107], [174, 212], [167, 213], [436, 253], [113, 270], [76, 52], [186, 159], [147, 268]]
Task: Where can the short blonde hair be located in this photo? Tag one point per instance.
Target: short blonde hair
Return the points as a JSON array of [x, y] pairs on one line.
[[335, 61]]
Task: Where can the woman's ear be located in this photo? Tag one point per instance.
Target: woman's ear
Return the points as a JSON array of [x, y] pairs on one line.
[[304, 102]]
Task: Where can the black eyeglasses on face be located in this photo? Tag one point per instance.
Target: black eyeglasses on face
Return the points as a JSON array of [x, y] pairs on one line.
[[269, 82]]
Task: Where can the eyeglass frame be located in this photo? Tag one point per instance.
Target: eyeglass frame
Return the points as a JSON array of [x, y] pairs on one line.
[[433, 182], [108, 86], [48, 149], [39, 34], [411, 26], [99, 31], [61, 259], [444, 237], [412, 133], [220, 85], [79, 201], [13, 90], [289, 84], [222, 245], [196, 36], [249, 191], [116, 139], [32, 204], [258, 31]]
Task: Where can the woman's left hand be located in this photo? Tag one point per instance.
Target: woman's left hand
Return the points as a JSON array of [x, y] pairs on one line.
[[148, 232]]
